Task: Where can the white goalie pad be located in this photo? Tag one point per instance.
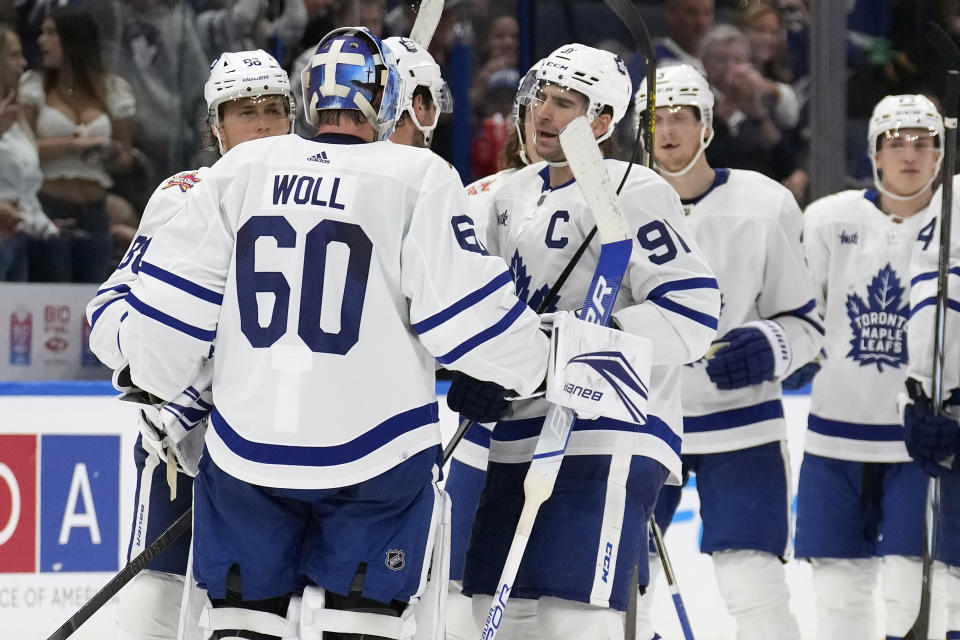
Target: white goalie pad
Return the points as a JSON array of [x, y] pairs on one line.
[[316, 618], [598, 371], [430, 609]]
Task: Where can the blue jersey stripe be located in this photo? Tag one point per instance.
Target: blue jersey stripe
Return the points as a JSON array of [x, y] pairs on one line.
[[731, 418], [462, 304], [855, 431], [512, 430], [181, 283], [930, 275], [363, 445], [120, 288], [96, 314], [697, 316], [683, 285], [170, 321], [479, 435], [486, 334], [952, 304]]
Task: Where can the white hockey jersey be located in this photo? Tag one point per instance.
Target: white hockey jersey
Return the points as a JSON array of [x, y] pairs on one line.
[[749, 227], [108, 307], [923, 299], [328, 275], [668, 295], [860, 259]]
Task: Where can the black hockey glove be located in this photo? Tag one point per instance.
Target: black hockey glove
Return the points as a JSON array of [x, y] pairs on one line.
[[747, 359], [476, 400], [801, 377], [929, 438]]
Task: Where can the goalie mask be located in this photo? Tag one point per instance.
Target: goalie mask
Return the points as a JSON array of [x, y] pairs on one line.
[[599, 75], [417, 68], [894, 113], [681, 85], [245, 74], [352, 69]]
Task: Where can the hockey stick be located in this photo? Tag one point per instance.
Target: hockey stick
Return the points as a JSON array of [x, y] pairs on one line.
[[945, 46], [145, 557], [581, 150], [671, 580], [425, 24]]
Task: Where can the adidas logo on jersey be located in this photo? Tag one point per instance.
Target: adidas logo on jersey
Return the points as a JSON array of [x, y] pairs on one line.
[[320, 157]]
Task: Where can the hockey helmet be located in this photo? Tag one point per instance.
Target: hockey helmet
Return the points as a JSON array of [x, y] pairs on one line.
[[681, 85], [417, 68], [599, 75], [352, 69], [245, 74], [906, 111]]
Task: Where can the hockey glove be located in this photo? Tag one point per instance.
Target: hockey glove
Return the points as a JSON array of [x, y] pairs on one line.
[[476, 400], [801, 377], [752, 353], [930, 439]]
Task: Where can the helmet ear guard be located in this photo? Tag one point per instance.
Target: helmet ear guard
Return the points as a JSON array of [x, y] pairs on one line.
[[352, 69], [681, 85], [906, 111]]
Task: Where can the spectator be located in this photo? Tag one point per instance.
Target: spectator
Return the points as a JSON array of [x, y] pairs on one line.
[[82, 118], [687, 23], [243, 25], [747, 135], [21, 215], [495, 125], [499, 50]]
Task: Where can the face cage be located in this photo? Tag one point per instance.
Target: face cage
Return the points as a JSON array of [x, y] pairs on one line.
[[442, 100], [876, 173], [213, 114]]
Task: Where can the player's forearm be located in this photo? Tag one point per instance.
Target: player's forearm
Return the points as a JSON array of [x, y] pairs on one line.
[[679, 336]]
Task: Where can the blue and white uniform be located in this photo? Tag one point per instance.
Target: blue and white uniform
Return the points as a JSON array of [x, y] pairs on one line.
[[861, 497], [612, 470], [303, 262]]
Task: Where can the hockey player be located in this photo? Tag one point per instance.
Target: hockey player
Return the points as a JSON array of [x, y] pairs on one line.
[[586, 541], [749, 228], [860, 506], [320, 268], [467, 469], [425, 93], [248, 97]]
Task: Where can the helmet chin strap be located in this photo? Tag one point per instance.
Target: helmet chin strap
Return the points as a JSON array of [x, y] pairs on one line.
[[704, 143], [895, 196]]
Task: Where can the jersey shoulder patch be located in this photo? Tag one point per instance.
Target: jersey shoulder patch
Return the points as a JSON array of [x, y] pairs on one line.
[[184, 181]]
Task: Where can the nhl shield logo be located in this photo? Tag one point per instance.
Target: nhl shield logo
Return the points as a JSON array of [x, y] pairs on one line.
[[395, 559]]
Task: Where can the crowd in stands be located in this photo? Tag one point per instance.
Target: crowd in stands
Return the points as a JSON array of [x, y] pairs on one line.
[[100, 100]]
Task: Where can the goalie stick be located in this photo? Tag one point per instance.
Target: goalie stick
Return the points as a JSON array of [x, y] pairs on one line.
[[581, 150], [424, 26], [945, 46]]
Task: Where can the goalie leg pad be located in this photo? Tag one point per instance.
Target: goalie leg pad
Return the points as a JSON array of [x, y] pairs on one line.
[[148, 607], [901, 577], [561, 619], [754, 588], [952, 590], [250, 619], [598, 371], [645, 601], [326, 616], [844, 591], [520, 619], [459, 618]]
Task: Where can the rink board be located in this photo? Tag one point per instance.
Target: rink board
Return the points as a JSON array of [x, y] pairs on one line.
[[65, 453]]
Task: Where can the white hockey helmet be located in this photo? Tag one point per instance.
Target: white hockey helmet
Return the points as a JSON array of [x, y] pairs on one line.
[[906, 111], [418, 69], [245, 74], [599, 75], [681, 85]]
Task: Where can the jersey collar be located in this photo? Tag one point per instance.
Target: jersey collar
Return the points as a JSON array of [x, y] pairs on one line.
[[720, 177], [545, 176], [338, 138]]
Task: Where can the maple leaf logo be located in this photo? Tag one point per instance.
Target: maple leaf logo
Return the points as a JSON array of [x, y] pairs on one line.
[[879, 323], [521, 280]]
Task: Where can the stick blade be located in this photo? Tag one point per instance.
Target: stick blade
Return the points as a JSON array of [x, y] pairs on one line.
[[582, 152], [425, 25]]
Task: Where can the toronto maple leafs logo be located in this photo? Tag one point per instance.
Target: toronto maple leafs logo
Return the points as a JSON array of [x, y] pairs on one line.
[[879, 323], [522, 281]]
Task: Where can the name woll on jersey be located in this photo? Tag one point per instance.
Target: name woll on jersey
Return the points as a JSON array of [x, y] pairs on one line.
[[668, 295], [860, 260], [327, 273], [923, 299], [749, 228]]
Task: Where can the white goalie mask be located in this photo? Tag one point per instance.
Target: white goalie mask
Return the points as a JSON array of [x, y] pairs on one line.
[[908, 111], [245, 74], [681, 85], [417, 68], [599, 75]]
